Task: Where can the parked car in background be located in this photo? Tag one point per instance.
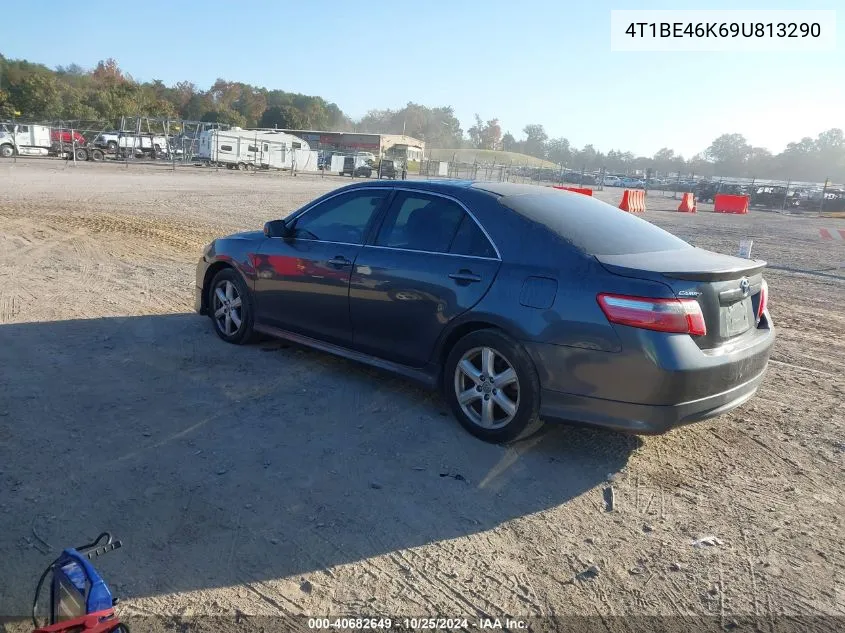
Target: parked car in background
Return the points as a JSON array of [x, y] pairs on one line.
[[107, 141], [355, 167], [632, 183], [774, 197], [128, 143], [389, 168], [612, 181], [705, 191], [66, 137], [833, 201], [469, 288], [577, 178], [734, 189]]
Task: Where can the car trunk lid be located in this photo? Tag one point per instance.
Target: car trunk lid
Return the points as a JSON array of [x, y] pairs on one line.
[[726, 288]]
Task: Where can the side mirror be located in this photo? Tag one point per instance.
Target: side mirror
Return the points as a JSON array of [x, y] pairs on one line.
[[277, 228]]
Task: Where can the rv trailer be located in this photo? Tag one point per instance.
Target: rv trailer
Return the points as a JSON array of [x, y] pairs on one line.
[[257, 149]]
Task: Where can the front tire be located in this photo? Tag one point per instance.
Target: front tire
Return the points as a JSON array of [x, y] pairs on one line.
[[7, 151], [230, 307], [492, 387]]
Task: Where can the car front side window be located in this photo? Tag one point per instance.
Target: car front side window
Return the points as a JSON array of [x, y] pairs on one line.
[[343, 218]]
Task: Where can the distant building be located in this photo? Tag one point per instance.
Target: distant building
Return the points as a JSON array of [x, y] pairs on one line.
[[401, 146], [388, 145]]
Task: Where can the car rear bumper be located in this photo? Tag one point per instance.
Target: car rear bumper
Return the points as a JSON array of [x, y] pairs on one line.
[[654, 383], [642, 418]]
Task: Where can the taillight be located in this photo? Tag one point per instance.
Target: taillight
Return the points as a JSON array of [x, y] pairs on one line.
[[682, 316], [764, 300]]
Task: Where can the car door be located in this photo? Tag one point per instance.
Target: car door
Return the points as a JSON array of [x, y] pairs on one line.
[[302, 282], [429, 262]]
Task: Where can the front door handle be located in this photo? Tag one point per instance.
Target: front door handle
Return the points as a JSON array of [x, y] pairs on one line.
[[465, 276], [340, 261]]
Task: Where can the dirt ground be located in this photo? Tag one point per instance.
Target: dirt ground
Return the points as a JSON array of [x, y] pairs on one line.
[[271, 480]]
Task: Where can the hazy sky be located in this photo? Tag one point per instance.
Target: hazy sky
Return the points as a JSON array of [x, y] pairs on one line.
[[541, 61]]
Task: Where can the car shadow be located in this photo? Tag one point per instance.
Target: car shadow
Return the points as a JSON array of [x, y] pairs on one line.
[[215, 463]]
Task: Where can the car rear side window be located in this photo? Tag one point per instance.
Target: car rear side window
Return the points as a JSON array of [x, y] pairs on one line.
[[592, 226], [470, 240], [421, 222]]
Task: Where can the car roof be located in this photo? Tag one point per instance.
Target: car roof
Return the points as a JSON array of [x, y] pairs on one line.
[[499, 190], [440, 186], [509, 194]]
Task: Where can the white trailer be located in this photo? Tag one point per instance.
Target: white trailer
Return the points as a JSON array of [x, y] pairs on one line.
[[24, 140], [240, 149], [337, 163]]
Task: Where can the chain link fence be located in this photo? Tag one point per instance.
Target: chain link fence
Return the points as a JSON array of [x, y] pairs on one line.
[[137, 139], [131, 139], [788, 195]]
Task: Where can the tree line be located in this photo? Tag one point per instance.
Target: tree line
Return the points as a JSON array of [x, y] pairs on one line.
[[106, 93], [729, 155]]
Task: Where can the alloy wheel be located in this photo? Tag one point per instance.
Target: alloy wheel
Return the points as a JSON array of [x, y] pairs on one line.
[[228, 308], [487, 388]]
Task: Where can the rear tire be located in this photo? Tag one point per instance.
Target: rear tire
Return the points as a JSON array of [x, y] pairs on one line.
[[230, 307], [81, 154], [492, 387], [97, 155], [111, 146]]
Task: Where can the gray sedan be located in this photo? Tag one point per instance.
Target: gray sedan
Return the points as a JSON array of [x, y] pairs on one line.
[[520, 303]]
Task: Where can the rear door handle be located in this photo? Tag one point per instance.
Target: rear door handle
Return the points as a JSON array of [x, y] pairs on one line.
[[340, 260], [465, 275]]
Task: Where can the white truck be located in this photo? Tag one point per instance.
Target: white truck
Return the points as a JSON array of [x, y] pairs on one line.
[[127, 143], [24, 140], [243, 149]]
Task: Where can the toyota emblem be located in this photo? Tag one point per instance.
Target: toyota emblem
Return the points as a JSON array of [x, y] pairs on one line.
[[745, 286]]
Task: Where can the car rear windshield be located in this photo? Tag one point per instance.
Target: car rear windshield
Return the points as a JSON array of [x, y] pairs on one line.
[[592, 226]]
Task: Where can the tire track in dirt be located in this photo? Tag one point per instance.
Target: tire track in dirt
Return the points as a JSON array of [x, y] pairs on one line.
[[10, 307], [38, 245], [182, 237]]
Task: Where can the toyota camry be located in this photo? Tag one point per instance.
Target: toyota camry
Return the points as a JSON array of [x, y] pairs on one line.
[[521, 303]]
